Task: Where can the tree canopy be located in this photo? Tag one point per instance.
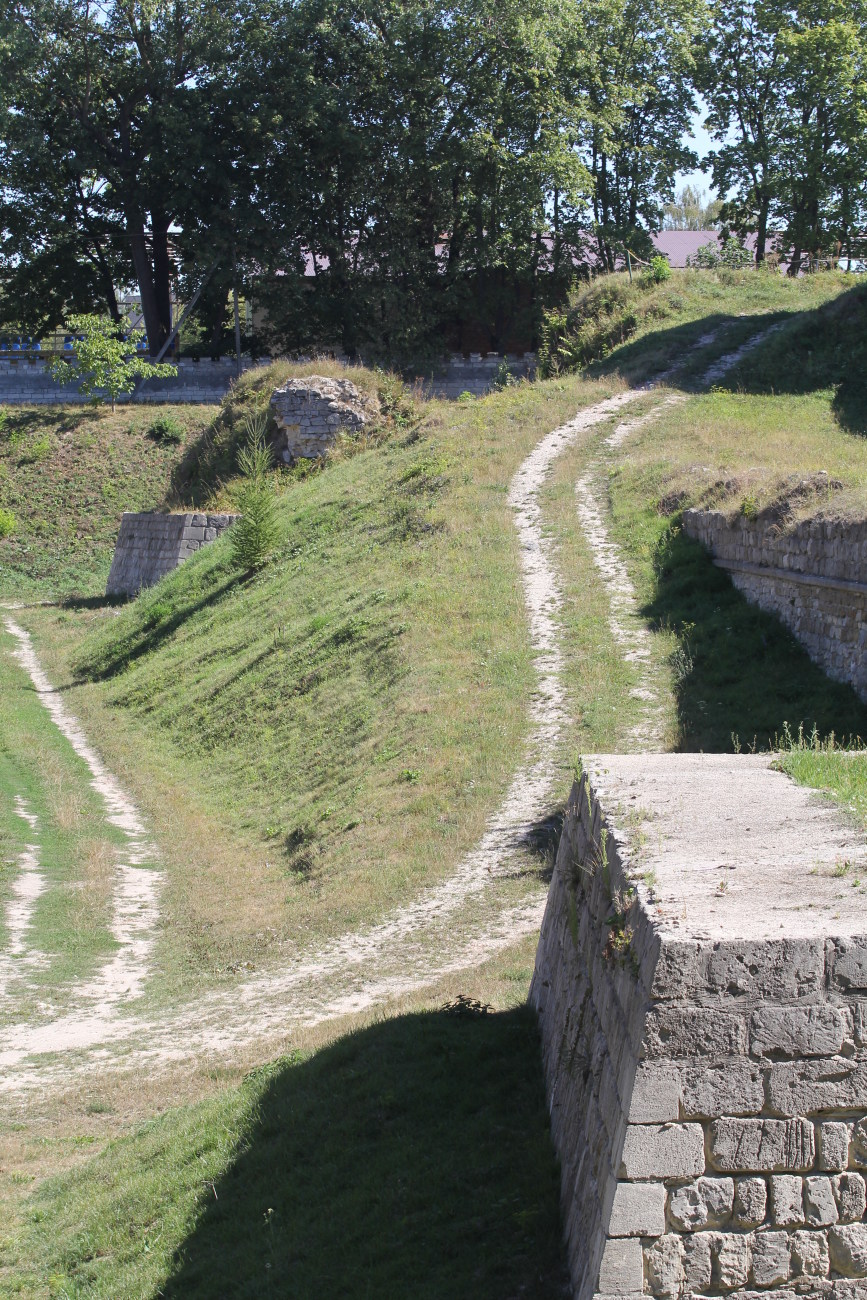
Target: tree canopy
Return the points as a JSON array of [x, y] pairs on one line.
[[387, 175]]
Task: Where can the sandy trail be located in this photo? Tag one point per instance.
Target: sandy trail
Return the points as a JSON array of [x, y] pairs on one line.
[[628, 628], [29, 884], [451, 927], [136, 885]]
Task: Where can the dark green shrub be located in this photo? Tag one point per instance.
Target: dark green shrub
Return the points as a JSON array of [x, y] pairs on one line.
[[256, 535], [166, 430]]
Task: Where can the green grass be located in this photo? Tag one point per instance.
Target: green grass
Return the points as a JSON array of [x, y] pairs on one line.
[[67, 473], [76, 845], [347, 719], [840, 772], [636, 330], [410, 1159]]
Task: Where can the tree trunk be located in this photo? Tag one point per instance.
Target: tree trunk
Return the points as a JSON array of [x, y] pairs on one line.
[[162, 277], [762, 231], [145, 277]]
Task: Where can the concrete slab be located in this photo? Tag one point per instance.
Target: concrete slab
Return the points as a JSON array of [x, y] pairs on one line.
[[734, 848]]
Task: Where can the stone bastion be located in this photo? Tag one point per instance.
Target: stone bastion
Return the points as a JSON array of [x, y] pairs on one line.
[[150, 545], [701, 984]]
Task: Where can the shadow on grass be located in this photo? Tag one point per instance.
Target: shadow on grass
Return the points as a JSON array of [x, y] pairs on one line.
[[163, 618], [411, 1159], [738, 671], [825, 347]]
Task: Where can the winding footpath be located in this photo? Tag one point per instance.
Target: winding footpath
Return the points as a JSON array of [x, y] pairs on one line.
[[415, 945]]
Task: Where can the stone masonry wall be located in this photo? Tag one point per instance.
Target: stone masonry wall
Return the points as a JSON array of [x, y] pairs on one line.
[[707, 1098], [812, 578], [151, 545], [27, 382], [311, 412]]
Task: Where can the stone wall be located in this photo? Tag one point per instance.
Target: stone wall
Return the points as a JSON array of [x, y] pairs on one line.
[[476, 373], [151, 545], [706, 1061], [811, 577], [311, 412], [28, 383]]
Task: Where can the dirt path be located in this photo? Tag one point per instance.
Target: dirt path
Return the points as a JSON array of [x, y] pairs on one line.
[[452, 927]]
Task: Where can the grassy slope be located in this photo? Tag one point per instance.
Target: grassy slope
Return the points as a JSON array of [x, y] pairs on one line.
[[162, 1177], [347, 720], [737, 676], [410, 1159], [67, 473]]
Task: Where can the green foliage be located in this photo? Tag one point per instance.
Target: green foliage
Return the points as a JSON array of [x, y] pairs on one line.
[[657, 272], [105, 359], [257, 534], [167, 430], [8, 523], [729, 253]]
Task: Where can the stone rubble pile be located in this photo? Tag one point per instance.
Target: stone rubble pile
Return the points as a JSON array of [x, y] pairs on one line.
[[311, 412]]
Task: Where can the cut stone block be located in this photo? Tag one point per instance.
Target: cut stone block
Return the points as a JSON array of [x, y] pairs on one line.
[[771, 1258], [848, 1249], [762, 1145], [662, 1151], [638, 1210], [750, 1202]]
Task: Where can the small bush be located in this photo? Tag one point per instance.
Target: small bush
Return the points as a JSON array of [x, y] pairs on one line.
[[166, 430], [7, 523], [730, 254], [657, 272], [36, 452]]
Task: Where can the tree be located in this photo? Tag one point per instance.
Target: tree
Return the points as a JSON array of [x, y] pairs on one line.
[[637, 56], [105, 359], [786, 84], [692, 211], [106, 147]]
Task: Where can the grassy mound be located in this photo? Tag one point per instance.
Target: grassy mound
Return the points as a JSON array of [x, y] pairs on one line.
[[603, 317], [205, 473], [66, 474]]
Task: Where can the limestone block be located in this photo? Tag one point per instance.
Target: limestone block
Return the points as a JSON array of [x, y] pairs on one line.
[[655, 1095], [638, 1210], [697, 1262], [833, 1084], [731, 1087], [664, 1264], [859, 1142], [674, 1031], [787, 1201], [820, 1207], [750, 1202], [833, 1146], [771, 1257], [706, 1203], [850, 1197], [731, 1259], [796, 1031], [662, 1151], [860, 1016], [847, 959], [762, 1145], [622, 1267], [848, 1249], [810, 1254]]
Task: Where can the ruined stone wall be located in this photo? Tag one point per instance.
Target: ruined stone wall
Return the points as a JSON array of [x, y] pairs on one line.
[[311, 412], [812, 578], [707, 1096], [151, 545]]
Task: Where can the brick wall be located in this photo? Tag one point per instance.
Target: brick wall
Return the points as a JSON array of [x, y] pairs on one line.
[[708, 1098], [151, 545], [812, 577]]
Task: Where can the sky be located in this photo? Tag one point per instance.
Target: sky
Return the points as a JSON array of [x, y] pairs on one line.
[[702, 144]]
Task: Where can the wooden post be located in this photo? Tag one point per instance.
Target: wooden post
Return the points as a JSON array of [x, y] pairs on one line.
[[629, 265]]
